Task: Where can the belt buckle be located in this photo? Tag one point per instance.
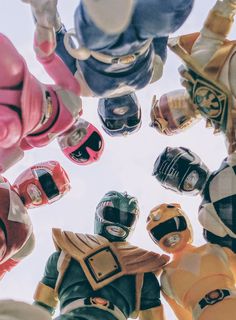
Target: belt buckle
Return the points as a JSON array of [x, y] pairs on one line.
[[99, 301], [214, 296], [125, 59]]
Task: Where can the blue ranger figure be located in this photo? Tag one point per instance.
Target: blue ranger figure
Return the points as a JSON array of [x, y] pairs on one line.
[[121, 48]]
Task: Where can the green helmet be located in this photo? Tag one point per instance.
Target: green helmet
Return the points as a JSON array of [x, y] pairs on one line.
[[116, 216]]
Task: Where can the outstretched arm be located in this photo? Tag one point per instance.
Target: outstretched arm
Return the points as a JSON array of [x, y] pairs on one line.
[[180, 312], [45, 41], [152, 314], [215, 30], [45, 295]]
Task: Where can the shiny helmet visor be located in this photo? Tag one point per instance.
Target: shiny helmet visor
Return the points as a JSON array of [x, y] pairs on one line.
[[47, 183], [169, 226], [180, 170], [117, 216], [94, 142], [120, 115]]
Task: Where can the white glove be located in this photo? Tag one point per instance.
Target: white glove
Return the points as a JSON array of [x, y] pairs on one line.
[[45, 12]]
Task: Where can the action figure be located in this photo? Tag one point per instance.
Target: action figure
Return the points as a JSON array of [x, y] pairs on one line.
[[208, 76], [41, 184], [102, 276], [199, 282], [19, 310], [32, 114], [122, 48], [182, 171]]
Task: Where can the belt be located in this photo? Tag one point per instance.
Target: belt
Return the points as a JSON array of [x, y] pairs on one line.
[[82, 53], [95, 302], [211, 298], [127, 59]]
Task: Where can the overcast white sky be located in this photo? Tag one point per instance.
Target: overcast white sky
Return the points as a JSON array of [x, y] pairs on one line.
[[126, 164]]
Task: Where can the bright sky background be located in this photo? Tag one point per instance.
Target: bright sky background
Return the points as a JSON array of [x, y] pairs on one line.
[[126, 164]]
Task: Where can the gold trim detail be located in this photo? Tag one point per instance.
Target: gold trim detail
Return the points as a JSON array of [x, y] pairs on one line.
[[46, 295], [218, 24]]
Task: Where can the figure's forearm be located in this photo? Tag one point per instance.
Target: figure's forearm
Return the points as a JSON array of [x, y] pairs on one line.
[[220, 18], [215, 30], [44, 46], [156, 313], [46, 297]]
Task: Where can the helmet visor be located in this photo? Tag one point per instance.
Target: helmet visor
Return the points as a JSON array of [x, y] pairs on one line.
[[47, 183], [172, 171], [81, 154], [130, 122], [115, 215], [171, 225]]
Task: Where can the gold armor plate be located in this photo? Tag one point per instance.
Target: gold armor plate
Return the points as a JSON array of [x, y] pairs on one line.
[[103, 264]]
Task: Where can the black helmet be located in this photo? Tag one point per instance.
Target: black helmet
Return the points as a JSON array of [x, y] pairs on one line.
[[181, 170], [120, 115]]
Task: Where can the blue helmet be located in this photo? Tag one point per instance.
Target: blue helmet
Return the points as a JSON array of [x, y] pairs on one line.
[[120, 115]]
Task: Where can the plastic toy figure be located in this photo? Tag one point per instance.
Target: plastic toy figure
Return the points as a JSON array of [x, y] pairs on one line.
[[19, 310], [208, 75], [199, 282], [32, 114], [182, 171], [102, 276], [122, 48], [41, 184]]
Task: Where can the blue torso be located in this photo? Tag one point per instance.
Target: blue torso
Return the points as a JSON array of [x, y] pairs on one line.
[[153, 20]]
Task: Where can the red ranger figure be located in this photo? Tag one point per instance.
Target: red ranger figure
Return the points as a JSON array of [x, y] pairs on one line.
[[41, 184], [32, 114]]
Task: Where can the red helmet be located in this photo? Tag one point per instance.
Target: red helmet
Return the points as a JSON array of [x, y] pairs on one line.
[[82, 143], [42, 183], [15, 225]]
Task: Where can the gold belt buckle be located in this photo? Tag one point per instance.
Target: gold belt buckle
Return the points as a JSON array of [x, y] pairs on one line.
[[127, 59]]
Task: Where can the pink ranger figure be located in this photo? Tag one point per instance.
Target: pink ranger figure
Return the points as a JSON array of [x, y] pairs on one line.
[[32, 114], [41, 184]]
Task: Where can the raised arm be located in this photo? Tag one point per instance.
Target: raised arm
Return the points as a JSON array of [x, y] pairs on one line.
[[179, 311], [45, 42], [215, 30], [150, 303]]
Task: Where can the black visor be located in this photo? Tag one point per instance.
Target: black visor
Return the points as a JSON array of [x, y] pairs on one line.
[[167, 227], [47, 183], [115, 215], [131, 121], [94, 142]]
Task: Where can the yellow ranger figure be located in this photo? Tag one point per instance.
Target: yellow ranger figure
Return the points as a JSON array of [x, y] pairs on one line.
[[199, 282]]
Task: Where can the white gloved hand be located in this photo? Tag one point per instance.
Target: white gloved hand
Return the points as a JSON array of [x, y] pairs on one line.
[[45, 12]]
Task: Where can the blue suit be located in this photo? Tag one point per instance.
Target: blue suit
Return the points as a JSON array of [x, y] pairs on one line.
[[151, 19]]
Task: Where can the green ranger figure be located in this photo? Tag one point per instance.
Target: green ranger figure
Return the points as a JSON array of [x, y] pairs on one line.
[[102, 276]]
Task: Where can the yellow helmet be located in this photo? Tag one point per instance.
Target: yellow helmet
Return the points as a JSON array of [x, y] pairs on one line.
[[169, 227]]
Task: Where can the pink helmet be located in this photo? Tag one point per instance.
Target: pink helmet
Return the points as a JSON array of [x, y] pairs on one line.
[[82, 143]]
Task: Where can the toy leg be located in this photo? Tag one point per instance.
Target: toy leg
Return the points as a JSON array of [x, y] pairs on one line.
[[88, 34], [26, 250], [8, 157], [224, 309], [110, 16], [157, 18], [11, 64]]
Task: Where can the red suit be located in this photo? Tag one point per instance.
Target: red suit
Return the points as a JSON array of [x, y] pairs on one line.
[[41, 184], [33, 113]]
